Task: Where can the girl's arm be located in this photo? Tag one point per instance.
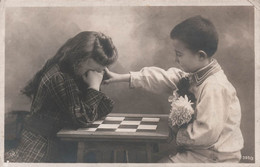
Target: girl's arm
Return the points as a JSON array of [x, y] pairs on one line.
[[152, 79], [83, 107]]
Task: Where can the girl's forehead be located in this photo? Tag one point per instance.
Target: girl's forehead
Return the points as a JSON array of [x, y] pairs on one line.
[[94, 62]]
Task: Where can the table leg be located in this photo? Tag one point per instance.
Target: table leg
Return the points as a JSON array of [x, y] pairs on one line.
[[149, 152], [99, 155], [126, 156], [114, 158], [102, 156], [80, 153]]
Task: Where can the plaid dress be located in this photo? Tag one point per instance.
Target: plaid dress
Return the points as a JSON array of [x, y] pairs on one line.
[[58, 103], [32, 148]]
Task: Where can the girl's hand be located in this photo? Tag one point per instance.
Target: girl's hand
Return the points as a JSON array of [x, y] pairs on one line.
[[111, 77], [93, 79]]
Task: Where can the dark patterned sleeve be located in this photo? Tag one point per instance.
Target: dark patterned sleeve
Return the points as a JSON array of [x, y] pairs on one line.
[[99, 101], [83, 107]]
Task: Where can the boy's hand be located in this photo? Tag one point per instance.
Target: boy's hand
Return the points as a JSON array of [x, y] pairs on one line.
[[93, 79], [111, 77], [175, 130]]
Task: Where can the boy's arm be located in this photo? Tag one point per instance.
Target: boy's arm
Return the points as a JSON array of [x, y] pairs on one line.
[[152, 79], [208, 124]]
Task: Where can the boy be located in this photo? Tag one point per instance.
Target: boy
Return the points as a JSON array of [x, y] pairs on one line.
[[214, 135]]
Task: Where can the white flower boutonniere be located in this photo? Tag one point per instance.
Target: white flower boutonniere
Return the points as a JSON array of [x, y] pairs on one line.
[[181, 111], [182, 101]]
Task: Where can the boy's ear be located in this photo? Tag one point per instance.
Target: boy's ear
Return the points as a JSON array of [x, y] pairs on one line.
[[202, 55]]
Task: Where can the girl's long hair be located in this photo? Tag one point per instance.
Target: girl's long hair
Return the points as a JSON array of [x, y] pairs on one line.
[[87, 44]]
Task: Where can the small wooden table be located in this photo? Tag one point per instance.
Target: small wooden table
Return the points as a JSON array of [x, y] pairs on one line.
[[136, 131]]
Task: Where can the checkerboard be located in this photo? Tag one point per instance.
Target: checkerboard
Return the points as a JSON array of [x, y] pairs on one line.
[[124, 124]]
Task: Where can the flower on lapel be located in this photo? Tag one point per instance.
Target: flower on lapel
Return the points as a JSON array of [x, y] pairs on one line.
[[182, 104], [181, 112]]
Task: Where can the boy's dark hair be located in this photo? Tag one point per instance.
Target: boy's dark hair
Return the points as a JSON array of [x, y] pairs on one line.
[[197, 33]]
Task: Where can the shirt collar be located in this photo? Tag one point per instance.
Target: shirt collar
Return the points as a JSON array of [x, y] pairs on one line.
[[202, 74]]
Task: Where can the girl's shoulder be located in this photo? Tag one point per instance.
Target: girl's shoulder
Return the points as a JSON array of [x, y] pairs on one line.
[[54, 74]]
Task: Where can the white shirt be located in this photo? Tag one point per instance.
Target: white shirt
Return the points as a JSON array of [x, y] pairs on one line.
[[214, 135]]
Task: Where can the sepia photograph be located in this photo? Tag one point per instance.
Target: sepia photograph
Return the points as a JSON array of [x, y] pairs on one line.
[[113, 83]]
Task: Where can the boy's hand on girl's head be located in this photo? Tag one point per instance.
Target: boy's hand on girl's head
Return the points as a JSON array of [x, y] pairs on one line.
[[93, 79], [110, 77]]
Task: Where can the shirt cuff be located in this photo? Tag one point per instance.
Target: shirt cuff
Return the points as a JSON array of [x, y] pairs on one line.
[[182, 138], [135, 80]]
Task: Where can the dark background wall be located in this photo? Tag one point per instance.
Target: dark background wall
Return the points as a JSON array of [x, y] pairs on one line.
[[141, 35]]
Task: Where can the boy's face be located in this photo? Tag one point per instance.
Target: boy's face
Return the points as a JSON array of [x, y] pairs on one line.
[[187, 59]]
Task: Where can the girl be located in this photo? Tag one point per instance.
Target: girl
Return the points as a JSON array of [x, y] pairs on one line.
[[65, 92]]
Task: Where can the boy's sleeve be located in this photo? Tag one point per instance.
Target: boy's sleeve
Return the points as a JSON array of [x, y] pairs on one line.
[[83, 107], [155, 79], [211, 114]]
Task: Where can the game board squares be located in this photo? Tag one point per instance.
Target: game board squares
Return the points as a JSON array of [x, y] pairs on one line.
[[130, 122], [105, 130], [148, 127], [133, 119], [114, 118], [111, 122], [146, 119], [87, 129], [98, 122], [125, 130], [108, 126], [93, 125], [145, 130], [149, 123], [128, 126]]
